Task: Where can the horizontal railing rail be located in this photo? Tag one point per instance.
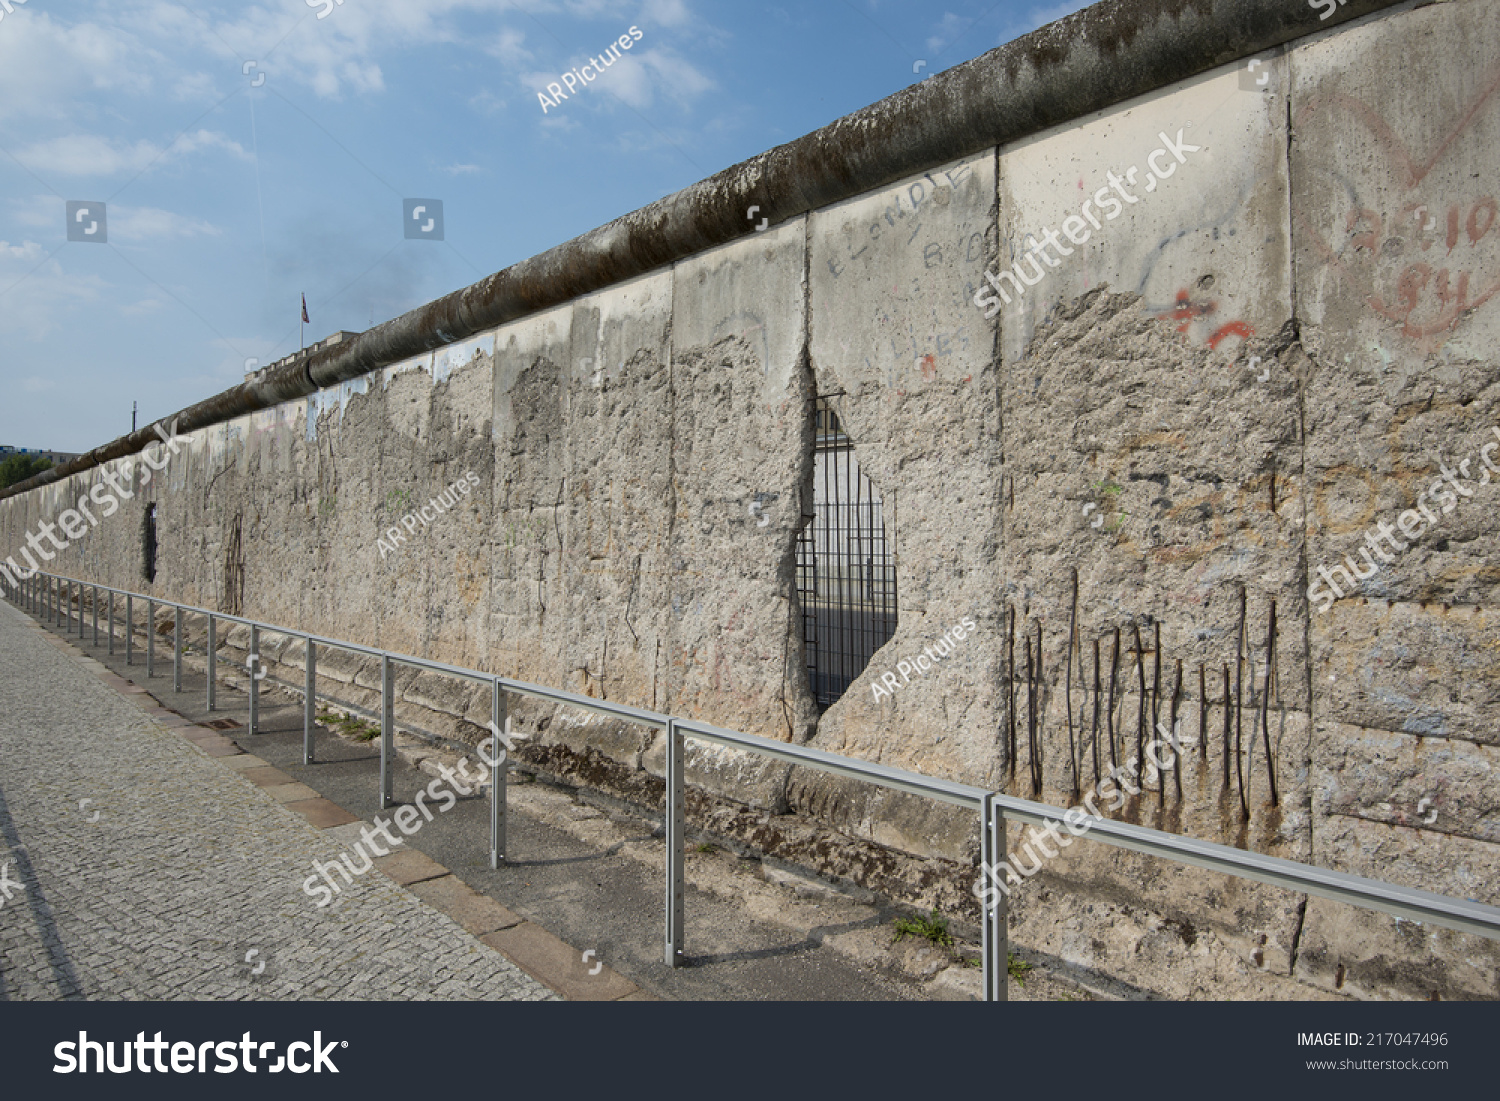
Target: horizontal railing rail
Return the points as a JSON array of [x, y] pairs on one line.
[[50, 597]]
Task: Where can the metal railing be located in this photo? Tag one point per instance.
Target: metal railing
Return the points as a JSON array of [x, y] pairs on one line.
[[50, 598]]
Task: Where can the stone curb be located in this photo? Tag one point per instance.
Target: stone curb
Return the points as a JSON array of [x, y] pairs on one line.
[[530, 947]]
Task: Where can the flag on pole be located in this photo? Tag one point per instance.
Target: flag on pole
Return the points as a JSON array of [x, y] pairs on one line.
[[305, 318]]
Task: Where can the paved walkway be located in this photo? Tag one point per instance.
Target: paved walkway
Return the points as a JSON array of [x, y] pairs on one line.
[[133, 865]]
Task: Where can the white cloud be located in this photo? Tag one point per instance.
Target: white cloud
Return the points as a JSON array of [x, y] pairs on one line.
[[636, 77], [507, 47], [38, 296], [198, 87], [948, 28], [461, 169], [664, 13], [150, 224], [46, 66], [41, 212], [92, 155], [149, 305], [487, 102], [27, 251]]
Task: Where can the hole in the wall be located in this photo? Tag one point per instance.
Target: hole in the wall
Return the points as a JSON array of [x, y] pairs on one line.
[[148, 544], [846, 576]]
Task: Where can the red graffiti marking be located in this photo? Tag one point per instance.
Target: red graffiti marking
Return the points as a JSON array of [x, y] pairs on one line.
[[1187, 312], [1234, 328], [929, 367], [1442, 295], [1395, 148]]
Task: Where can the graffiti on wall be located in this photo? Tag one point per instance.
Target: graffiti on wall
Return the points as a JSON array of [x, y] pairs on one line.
[[1424, 259]]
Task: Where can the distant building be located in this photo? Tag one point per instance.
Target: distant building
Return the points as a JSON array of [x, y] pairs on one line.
[[327, 342], [57, 457]]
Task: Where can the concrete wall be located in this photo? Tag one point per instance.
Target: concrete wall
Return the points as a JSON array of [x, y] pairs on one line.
[[1223, 388]]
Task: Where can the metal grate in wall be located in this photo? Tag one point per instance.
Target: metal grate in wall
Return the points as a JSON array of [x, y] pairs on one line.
[[846, 577]]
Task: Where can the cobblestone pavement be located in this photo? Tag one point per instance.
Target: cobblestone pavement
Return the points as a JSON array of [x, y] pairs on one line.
[[134, 866]]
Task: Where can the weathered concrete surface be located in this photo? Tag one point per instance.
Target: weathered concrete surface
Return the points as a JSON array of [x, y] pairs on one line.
[[906, 363], [1205, 248], [1397, 263], [1142, 454], [532, 365], [1099, 427]]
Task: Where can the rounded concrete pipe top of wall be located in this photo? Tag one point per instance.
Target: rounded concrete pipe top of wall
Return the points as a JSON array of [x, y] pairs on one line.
[[1082, 63]]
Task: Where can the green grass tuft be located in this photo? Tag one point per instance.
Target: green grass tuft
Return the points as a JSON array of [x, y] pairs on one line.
[[932, 927]]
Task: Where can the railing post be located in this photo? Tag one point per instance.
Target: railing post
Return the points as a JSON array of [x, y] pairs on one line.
[[129, 628], [94, 607], [67, 604], [993, 918], [676, 823], [213, 659], [310, 699], [111, 621], [498, 773], [177, 649], [254, 668], [387, 730], [150, 638]]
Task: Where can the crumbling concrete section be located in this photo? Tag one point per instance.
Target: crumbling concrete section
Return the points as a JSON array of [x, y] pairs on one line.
[[907, 363], [1398, 268], [1184, 394]]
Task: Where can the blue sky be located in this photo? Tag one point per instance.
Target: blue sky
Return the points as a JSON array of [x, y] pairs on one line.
[[248, 153]]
